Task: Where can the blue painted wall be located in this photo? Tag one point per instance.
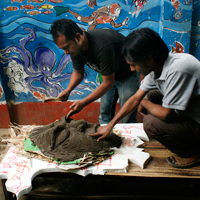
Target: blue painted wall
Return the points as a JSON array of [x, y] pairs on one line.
[[195, 30], [32, 66]]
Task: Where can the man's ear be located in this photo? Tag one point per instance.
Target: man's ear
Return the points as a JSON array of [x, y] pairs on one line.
[[78, 37]]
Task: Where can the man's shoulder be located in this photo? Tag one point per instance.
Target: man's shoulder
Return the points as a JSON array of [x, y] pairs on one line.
[[183, 62], [181, 57], [105, 32]]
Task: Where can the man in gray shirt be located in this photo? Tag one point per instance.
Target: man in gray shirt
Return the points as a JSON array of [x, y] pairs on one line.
[[171, 110]]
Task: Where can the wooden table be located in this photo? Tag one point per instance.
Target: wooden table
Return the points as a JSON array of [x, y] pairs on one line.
[[158, 180]]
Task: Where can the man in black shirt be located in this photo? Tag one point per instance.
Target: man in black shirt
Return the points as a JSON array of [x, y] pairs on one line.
[[100, 49]]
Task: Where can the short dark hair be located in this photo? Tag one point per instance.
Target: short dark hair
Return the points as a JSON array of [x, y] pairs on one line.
[[66, 27], [141, 43]]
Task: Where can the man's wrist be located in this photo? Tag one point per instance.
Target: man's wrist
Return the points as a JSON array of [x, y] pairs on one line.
[[67, 90], [85, 102]]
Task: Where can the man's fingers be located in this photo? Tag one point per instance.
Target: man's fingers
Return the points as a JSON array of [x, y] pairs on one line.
[[70, 113], [60, 95], [142, 114], [63, 98], [97, 134], [100, 138], [72, 105], [93, 134]]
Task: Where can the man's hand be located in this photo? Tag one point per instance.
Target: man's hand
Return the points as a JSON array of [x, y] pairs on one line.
[[75, 108], [157, 110], [103, 131], [64, 95]]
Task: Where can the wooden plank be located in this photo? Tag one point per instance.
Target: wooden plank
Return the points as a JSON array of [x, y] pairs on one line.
[[57, 185]]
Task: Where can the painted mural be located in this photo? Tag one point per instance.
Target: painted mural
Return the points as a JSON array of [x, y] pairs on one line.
[[2, 95], [195, 31], [32, 66]]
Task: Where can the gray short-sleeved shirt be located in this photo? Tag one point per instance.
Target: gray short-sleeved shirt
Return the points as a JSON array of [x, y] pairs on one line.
[[179, 83]]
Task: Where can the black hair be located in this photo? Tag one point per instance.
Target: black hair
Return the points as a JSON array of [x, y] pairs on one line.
[[141, 43], [66, 27]]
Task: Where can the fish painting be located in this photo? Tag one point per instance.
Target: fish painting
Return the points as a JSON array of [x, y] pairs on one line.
[[139, 5], [60, 10], [47, 6], [187, 2], [176, 4], [27, 7], [178, 49], [34, 12], [1, 91], [47, 12], [55, 1], [91, 3], [11, 8], [36, 1], [12, 1]]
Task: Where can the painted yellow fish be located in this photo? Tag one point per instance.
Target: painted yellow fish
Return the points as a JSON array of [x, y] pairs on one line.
[[46, 6]]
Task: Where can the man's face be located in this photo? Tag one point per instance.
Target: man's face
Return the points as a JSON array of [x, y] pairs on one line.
[[143, 68], [69, 46]]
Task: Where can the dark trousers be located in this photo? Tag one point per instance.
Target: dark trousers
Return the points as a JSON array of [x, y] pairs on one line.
[[180, 135]]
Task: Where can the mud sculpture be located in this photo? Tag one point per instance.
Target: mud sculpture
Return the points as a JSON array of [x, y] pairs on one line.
[[67, 139]]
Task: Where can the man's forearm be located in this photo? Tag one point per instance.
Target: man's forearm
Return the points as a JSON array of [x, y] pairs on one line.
[[97, 93], [130, 105], [75, 79]]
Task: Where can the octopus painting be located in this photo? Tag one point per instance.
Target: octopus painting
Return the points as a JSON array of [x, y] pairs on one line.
[[38, 75]]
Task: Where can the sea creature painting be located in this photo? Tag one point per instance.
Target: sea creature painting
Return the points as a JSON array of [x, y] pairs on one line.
[[12, 1], [176, 4], [103, 15], [55, 1], [37, 74], [11, 8], [46, 6], [1, 91], [17, 76], [187, 2], [47, 12], [139, 5], [27, 7], [36, 1], [179, 48], [33, 12], [91, 3]]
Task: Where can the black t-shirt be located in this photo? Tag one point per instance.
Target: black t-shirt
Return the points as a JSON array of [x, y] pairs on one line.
[[103, 54]]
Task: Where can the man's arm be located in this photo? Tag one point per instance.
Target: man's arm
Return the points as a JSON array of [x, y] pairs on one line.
[[76, 78], [104, 87], [130, 105], [157, 110]]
